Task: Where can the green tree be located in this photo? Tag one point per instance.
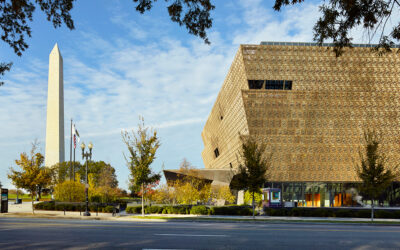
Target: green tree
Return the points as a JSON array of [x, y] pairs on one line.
[[33, 174], [252, 171], [142, 146], [62, 171], [373, 171], [17, 15], [339, 17], [103, 174]]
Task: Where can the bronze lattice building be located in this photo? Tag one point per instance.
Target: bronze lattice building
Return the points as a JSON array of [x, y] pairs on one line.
[[311, 108]]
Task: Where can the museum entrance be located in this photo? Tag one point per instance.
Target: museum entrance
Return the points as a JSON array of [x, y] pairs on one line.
[[316, 194]]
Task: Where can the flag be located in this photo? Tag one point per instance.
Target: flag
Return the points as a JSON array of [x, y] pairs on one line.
[[76, 135]]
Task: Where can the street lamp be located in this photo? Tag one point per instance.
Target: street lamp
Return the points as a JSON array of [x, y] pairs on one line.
[[88, 156]]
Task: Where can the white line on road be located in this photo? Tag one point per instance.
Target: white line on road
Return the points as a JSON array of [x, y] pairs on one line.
[[194, 235]]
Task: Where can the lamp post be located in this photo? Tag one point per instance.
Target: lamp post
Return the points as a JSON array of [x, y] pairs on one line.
[[88, 156]]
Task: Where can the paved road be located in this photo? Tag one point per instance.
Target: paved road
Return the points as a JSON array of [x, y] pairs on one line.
[[18, 233]]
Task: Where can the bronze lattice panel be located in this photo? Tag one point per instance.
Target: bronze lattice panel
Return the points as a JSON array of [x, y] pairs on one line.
[[316, 129]]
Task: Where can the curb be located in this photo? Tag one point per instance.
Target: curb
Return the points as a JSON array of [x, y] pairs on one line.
[[200, 220]]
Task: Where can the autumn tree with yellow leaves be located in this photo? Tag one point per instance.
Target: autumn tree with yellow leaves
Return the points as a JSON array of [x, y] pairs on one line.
[[33, 174]]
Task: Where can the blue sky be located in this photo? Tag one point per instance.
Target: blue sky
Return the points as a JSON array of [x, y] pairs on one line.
[[119, 64]]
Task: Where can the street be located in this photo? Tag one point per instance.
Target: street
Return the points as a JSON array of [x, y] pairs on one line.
[[16, 233]]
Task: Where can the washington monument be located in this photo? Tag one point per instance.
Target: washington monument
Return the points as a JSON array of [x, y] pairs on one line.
[[55, 110]]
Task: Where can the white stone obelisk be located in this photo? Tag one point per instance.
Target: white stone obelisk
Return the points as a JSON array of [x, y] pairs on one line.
[[55, 110]]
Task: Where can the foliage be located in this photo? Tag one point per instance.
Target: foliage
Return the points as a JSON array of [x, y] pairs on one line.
[[248, 198], [340, 17], [134, 209], [231, 210], [191, 192], [64, 170], [104, 194], [103, 174], [330, 212], [33, 176], [190, 188], [153, 210], [142, 146], [164, 194], [196, 14], [70, 191], [16, 15], [74, 207], [373, 171], [222, 192], [61, 172], [253, 168], [202, 210]]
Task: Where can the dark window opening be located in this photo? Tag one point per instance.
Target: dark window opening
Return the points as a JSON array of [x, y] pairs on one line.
[[216, 152], [230, 164], [256, 84], [221, 117], [288, 85], [278, 84]]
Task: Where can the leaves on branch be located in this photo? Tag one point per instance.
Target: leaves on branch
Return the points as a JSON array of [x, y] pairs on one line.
[[15, 16], [194, 14], [3, 68], [339, 17]]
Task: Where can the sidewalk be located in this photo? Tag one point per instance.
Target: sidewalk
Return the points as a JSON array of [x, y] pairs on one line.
[[25, 210]]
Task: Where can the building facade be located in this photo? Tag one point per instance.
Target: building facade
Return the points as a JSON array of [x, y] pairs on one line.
[[312, 109]]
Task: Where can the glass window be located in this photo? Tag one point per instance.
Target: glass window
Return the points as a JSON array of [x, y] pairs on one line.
[[278, 84], [216, 152], [288, 85], [255, 84]]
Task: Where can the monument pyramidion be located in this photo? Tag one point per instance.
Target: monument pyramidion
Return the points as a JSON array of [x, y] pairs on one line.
[[55, 110]]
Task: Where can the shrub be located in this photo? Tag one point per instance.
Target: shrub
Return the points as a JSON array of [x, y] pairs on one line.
[[321, 212], [296, 211], [135, 209], [70, 191], [46, 205], [203, 210], [344, 213], [154, 210], [108, 209], [362, 213], [231, 210], [183, 209], [383, 214]]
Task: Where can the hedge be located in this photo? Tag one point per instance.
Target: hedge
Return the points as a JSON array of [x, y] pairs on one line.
[[332, 212], [232, 210], [51, 205], [202, 210]]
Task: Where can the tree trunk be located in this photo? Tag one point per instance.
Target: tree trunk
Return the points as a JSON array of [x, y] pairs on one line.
[[372, 210], [33, 210], [142, 200], [253, 207]]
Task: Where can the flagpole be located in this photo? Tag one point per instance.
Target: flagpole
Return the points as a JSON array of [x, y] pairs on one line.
[[70, 155], [74, 163]]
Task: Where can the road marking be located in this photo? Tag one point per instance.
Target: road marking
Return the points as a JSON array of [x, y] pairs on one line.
[[194, 235], [270, 228]]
